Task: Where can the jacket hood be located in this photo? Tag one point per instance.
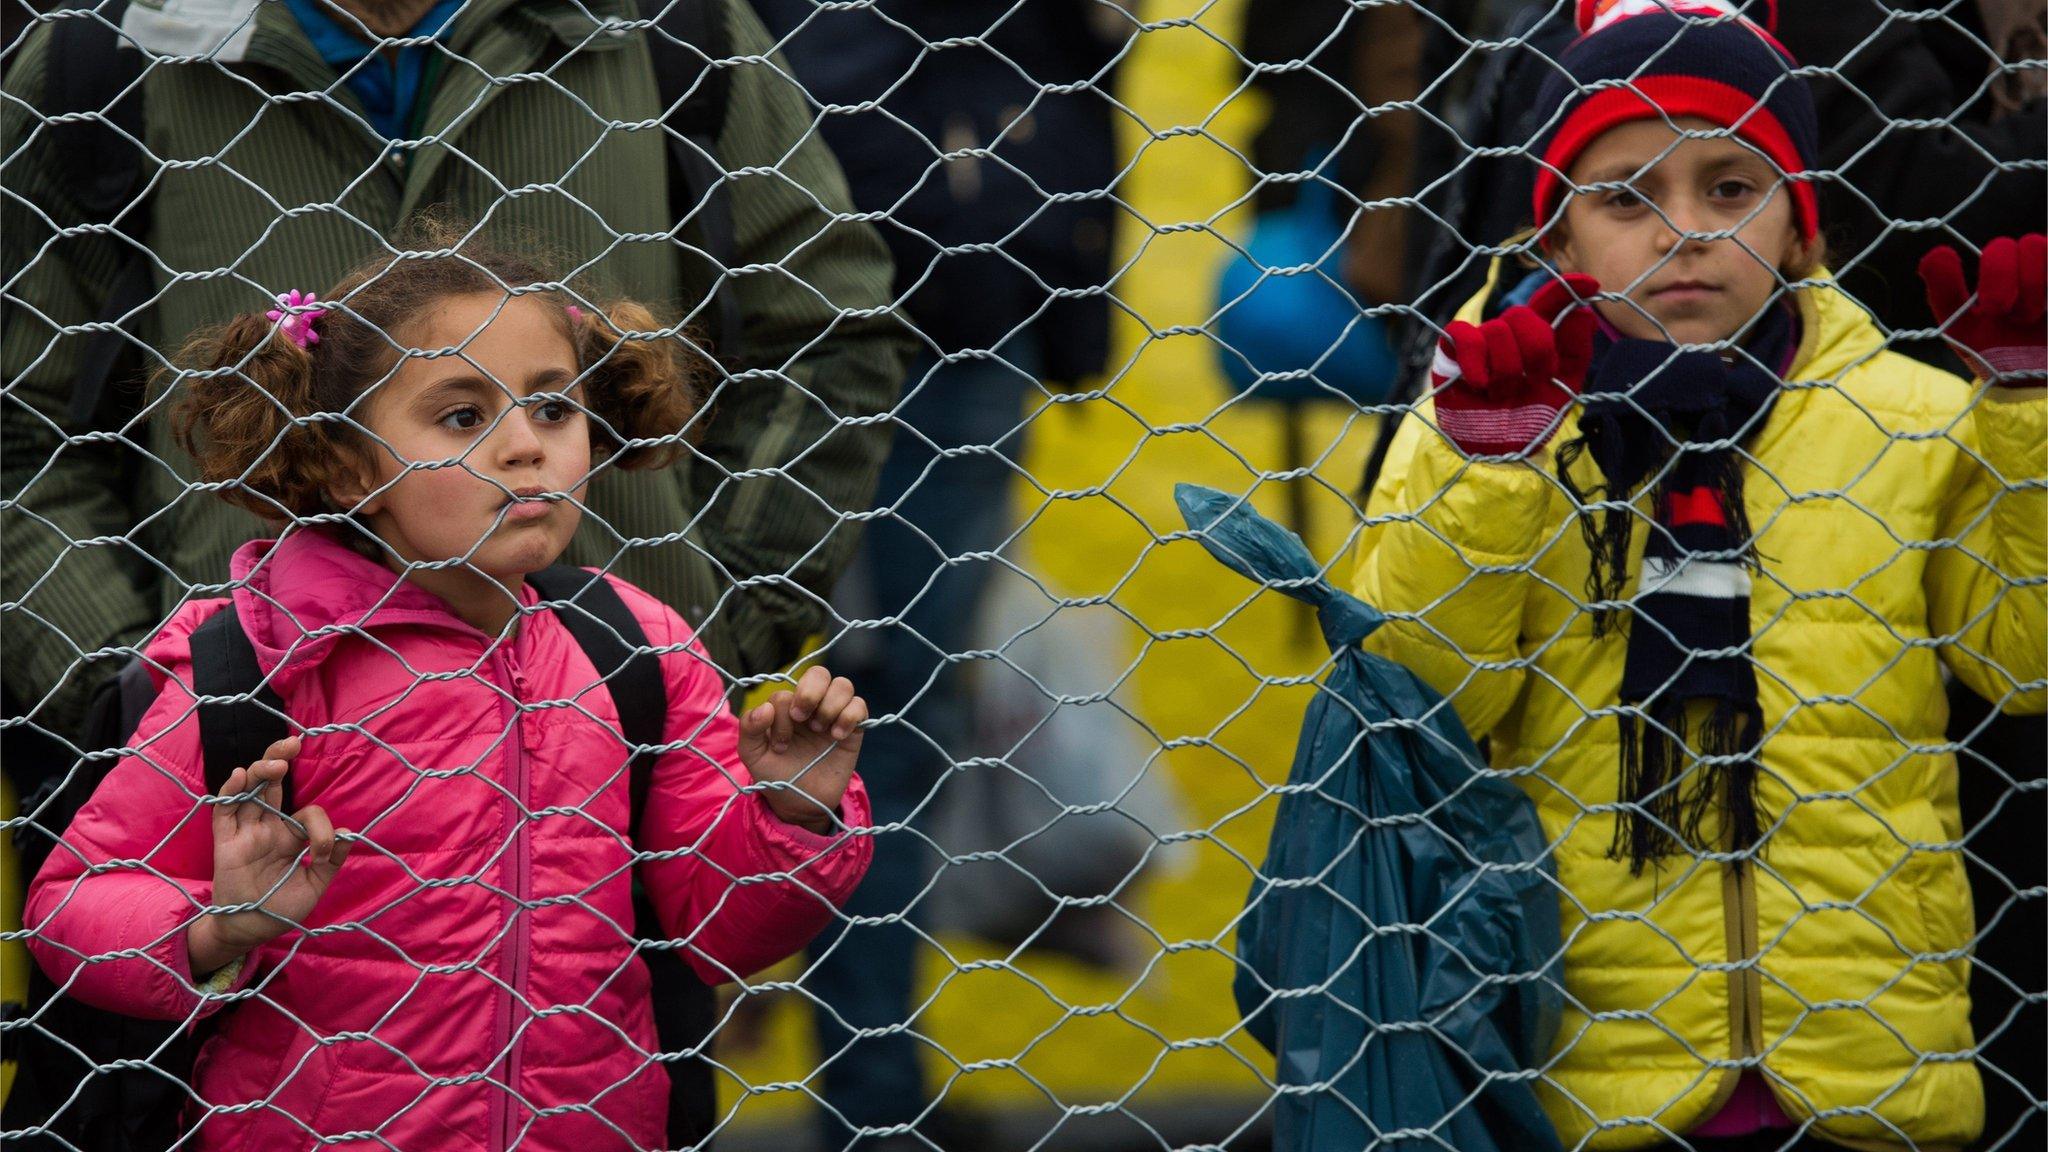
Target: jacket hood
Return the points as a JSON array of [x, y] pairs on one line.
[[1838, 333], [298, 594]]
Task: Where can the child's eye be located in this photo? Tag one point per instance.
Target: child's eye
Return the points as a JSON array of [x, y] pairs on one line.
[[553, 411], [1732, 189], [463, 419], [1624, 200]]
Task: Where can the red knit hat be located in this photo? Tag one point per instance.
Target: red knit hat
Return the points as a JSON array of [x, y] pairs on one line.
[[1666, 59]]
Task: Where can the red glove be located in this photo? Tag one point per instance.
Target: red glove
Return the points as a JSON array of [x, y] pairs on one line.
[[1502, 386], [2003, 332]]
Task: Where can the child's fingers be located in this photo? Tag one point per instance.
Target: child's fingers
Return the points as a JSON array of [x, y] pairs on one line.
[[325, 849], [1503, 357], [837, 695], [851, 717], [1574, 289], [319, 833], [261, 775], [2033, 297], [1575, 347], [754, 725], [1468, 350], [247, 785], [227, 817], [284, 749], [1998, 276], [1537, 343], [1942, 271], [323, 873], [810, 691], [780, 729]]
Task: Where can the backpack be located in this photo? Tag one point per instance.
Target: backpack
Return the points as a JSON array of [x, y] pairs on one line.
[[67, 1083], [89, 74]]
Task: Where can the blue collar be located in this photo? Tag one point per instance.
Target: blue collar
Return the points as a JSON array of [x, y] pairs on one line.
[[388, 91]]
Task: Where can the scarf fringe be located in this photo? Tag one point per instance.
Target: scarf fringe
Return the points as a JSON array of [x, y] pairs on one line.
[[1606, 533], [1663, 816]]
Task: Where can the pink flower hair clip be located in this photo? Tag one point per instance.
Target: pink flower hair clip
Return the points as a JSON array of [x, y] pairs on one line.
[[296, 316]]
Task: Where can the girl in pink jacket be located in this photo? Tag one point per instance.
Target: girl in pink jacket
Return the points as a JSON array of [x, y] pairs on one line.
[[445, 957]]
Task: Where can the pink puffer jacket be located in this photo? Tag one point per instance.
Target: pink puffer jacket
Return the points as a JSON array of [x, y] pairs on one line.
[[469, 980]]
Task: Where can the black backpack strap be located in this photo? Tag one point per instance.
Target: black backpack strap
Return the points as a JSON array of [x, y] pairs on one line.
[[94, 1079], [236, 731], [685, 1010], [687, 35], [90, 72], [609, 634]]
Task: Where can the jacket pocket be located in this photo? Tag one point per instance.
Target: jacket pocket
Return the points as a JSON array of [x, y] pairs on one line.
[[1941, 889], [261, 1056]]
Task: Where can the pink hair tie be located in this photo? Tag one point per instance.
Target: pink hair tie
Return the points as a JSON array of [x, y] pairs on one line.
[[575, 314], [296, 316]]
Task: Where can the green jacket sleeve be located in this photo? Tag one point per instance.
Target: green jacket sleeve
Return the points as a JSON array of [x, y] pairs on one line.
[[794, 443], [1987, 586], [1446, 555], [73, 588]]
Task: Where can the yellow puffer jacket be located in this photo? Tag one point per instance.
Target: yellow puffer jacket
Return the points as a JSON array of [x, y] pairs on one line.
[[1892, 539]]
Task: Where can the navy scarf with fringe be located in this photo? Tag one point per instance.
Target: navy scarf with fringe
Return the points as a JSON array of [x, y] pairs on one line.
[[1672, 420]]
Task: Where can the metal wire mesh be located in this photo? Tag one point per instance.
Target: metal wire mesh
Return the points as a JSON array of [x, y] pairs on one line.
[[953, 485]]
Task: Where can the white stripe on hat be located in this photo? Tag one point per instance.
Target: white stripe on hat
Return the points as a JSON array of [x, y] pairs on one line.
[[1714, 579]]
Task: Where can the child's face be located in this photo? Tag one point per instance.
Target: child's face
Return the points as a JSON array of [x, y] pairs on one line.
[[1687, 290], [494, 456]]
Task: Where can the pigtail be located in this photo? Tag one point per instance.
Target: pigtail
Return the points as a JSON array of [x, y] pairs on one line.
[[247, 387], [643, 380]]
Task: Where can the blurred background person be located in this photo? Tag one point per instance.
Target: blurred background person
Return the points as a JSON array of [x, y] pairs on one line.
[[1339, 62], [964, 148], [1337, 79]]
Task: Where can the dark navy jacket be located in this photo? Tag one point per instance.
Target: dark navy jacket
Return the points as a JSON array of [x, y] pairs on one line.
[[929, 97]]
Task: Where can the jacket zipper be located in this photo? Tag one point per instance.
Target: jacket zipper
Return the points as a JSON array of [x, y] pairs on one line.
[[516, 976], [1745, 984]]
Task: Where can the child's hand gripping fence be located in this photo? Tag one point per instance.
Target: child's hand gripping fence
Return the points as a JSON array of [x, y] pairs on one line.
[[1068, 253]]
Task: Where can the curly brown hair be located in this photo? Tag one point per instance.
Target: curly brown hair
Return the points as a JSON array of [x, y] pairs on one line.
[[275, 425]]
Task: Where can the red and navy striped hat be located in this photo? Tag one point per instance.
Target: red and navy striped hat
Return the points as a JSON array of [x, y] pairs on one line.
[[1655, 59]]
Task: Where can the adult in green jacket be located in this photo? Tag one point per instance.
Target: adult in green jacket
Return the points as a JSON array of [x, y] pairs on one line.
[[535, 118]]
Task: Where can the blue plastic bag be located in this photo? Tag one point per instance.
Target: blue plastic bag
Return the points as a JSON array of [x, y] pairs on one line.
[[1398, 948]]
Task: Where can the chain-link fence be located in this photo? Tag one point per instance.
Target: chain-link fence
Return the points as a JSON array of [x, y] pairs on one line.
[[876, 335]]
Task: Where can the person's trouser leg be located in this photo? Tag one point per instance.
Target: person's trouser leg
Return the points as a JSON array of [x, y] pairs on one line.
[[2003, 809], [945, 508]]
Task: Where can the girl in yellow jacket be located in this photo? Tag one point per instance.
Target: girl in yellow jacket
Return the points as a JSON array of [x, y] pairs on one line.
[[1691, 549]]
